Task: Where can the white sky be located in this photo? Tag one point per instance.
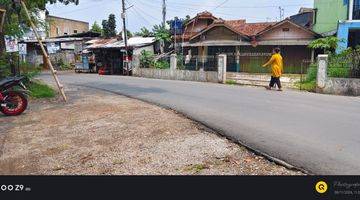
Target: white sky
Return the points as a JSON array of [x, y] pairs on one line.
[[149, 12]]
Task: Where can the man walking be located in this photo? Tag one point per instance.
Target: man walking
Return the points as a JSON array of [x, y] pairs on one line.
[[277, 69]]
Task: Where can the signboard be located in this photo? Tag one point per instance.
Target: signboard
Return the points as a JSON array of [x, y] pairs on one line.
[[22, 49], [70, 46], [52, 48], [11, 44], [176, 26]]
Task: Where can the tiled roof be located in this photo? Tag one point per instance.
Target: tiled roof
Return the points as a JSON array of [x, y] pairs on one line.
[[249, 29]]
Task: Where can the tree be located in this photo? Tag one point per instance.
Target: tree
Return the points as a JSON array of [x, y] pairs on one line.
[[144, 32], [96, 28], [161, 33], [112, 25], [105, 28], [109, 26], [328, 44], [16, 22]]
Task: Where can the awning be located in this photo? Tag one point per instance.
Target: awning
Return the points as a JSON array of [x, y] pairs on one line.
[[243, 43], [215, 43]]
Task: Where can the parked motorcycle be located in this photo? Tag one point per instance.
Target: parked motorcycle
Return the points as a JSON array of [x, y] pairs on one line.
[[13, 96]]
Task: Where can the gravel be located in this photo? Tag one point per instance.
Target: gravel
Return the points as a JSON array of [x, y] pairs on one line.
[[99, 133]]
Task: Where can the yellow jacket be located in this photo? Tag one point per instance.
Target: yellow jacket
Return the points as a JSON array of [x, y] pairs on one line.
[[277, 65]]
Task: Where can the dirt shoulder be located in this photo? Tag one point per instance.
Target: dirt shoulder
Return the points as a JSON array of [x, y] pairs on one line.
[[101, 133]]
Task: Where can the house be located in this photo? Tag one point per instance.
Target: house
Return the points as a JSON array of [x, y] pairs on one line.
[[344, 21], [305, 17], [109, 53], [59, 26], [247, 45]]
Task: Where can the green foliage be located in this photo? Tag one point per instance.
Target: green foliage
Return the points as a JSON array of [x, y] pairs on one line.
[[4, 65], [40, 90], [311, 73], [161, 33], [161, 64], [29, 71], [327, 44], [309, 86], [231, 82], [147, 60], [144, 32], [109, 26], [180, 62], [339, 72], [96, 28]]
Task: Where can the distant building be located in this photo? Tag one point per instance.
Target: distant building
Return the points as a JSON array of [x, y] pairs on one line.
[[59, 26], [305, 17], [341, 18], [247, 45]]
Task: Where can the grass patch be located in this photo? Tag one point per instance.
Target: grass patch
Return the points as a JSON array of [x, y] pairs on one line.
[[196, 168], [309, 86], [231, 82], [40, 90]]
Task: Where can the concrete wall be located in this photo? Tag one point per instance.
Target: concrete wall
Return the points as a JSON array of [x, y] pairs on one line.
[[59, 26], [329, 12], [182, 75], [185, 75], [338, 86], [342, 86]]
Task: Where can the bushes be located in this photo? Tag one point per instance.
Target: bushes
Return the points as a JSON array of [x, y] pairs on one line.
[[309, 84], [339, 72], [311, 73], [40, 90], [147, 60]]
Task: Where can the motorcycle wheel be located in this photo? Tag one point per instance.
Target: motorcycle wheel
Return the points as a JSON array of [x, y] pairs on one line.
[[16, 103]]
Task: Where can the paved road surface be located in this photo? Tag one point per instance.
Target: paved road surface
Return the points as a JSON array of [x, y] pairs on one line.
[[318, 133]]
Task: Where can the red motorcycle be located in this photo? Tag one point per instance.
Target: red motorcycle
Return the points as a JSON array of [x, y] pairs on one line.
[[13, 99]]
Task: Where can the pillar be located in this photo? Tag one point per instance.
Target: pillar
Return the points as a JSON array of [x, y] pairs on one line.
[[237, 58], [222, 68], [173, 65], [322, 72]]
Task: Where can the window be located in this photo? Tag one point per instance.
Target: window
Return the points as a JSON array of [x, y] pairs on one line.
[[286, 29], [75, 31], [356, 10]]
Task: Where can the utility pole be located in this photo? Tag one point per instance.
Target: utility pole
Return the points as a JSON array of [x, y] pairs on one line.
[[125, 59], [54, 72], [164, 13]]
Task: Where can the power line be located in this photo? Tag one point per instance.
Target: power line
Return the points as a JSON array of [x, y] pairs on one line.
[[220, 5]]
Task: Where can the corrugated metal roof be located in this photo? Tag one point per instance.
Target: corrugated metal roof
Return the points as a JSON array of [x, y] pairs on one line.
[[114, 43], [99, 43], [51, 40]]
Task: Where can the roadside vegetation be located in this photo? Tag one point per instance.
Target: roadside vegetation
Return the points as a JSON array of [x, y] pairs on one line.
[[341, 65], [148, 60], [38, 89]]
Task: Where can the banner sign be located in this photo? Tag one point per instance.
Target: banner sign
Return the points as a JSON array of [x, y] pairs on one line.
[[69, 46], [11, 44], [22, 49], [52, 48]]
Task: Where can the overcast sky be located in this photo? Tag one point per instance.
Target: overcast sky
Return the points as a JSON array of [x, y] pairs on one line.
[[148, 12]]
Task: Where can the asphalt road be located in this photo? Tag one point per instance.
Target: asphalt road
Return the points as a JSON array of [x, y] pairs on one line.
[[317, 133]]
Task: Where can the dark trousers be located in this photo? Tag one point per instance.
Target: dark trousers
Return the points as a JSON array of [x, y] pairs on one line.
[[275, 80]]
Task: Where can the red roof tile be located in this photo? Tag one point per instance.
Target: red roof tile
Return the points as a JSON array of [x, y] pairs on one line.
[[249, 29]]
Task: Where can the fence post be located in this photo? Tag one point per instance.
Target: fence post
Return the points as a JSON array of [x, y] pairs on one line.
[[135, 64], [173, 65], [322, 72], [222, 68]]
